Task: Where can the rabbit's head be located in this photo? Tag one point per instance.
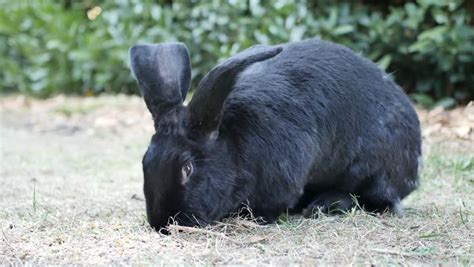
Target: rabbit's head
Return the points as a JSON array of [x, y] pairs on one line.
[[186, 165]]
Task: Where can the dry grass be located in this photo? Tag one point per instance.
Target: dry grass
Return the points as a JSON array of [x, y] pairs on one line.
[[71, 192]]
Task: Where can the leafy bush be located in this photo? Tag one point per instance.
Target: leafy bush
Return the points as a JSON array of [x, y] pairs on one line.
[[81, 46]]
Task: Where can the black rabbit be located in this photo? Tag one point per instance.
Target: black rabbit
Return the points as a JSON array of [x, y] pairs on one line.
[[300, 126]]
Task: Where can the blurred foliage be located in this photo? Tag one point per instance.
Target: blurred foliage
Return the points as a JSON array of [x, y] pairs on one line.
[[51, 46]]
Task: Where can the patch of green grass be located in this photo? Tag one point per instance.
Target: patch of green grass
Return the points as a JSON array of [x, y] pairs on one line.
[[81, 109], [460, 167], [423, 251], [431, 236], [465, 214]]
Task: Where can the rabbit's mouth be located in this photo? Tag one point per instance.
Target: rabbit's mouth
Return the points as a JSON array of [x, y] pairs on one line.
[[162, 221]]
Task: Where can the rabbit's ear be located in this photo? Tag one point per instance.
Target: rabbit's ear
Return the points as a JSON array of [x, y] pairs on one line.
[[163, 72], [209, 98]]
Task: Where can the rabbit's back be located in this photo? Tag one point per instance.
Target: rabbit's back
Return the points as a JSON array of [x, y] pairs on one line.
[[319, 114]]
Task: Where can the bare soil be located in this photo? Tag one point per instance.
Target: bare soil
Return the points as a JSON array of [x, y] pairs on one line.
[[71, 193]]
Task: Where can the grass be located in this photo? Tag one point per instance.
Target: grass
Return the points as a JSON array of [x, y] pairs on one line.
[[76, 198]]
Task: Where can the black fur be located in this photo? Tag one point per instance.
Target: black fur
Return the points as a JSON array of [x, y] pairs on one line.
[[301, 126]]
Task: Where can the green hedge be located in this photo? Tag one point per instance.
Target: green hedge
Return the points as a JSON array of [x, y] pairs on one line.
[[50, 46]]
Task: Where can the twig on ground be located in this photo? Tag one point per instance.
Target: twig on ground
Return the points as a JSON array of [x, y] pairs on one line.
[[6, 239], [188, 229], [198, 230], [393, 252], [242, 222]]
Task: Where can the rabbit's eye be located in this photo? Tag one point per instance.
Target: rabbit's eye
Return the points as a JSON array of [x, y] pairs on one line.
[[187, 170]]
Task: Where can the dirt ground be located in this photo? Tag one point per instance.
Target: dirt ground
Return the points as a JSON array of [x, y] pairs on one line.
[[71, 193]]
